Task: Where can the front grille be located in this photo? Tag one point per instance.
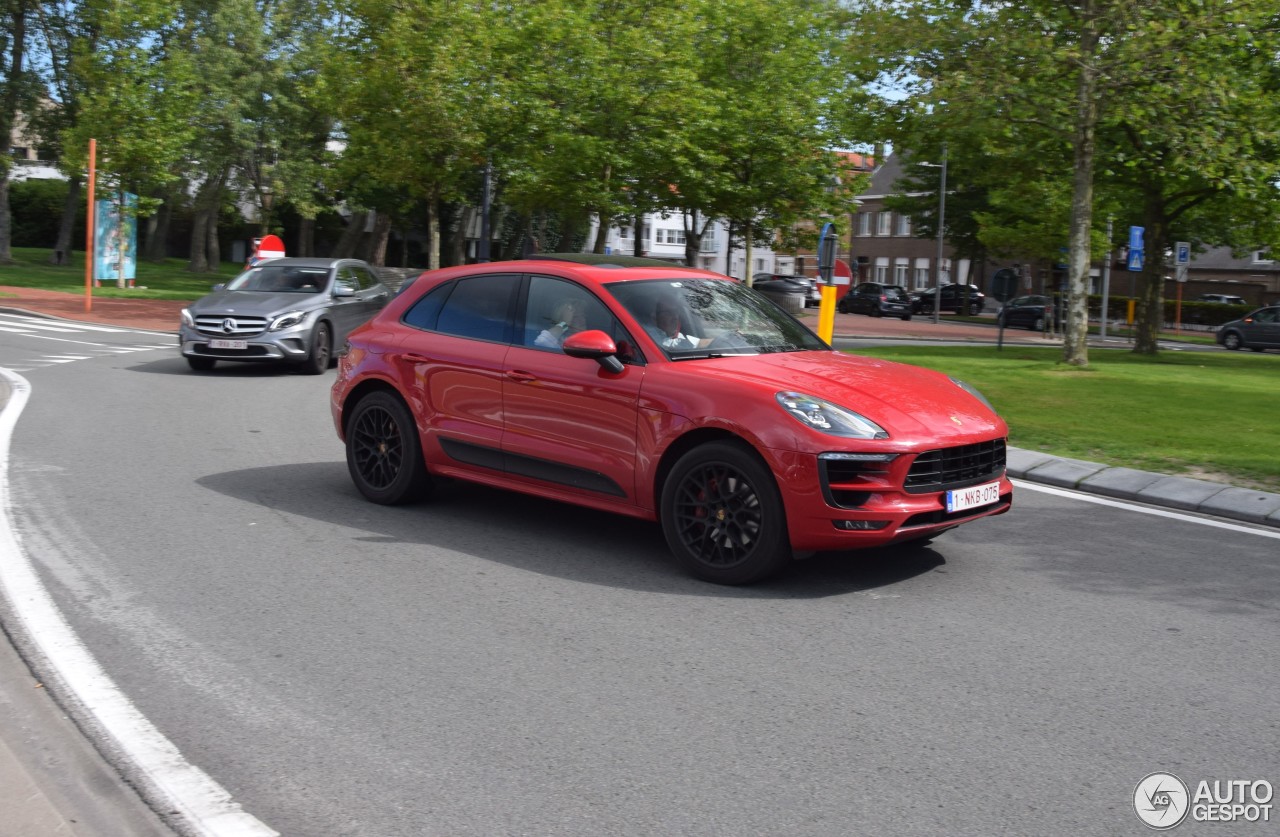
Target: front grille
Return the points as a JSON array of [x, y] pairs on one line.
[[937, 470], [215, 325], [251, 351]]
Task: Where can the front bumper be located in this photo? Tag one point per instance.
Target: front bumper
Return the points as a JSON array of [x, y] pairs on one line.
[[285, 346]]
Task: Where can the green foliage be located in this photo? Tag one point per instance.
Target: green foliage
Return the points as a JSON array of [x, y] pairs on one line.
[[36, 206]]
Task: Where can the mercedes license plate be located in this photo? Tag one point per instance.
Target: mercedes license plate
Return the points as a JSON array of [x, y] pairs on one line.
[[970, 498], [228, 344]]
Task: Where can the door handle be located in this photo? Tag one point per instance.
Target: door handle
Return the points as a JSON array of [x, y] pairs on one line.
[[521, 377], [414, 357]]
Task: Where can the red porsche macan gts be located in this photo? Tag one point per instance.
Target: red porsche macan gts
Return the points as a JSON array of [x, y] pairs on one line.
[[665, 393]]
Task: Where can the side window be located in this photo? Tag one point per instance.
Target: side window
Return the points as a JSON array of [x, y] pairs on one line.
[[555, 309], [478, 307], [425, 312], [365, 279]]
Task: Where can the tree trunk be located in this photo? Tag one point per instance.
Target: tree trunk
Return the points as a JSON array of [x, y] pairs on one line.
[[638, 230], [63, 246], [158, 240], [602, 234], [376, 249], [433, 233], [211, 242], [747, 272], [1075, 335], [1150, 304], [198, 261], [457, 247], [351, 235], [307, 237], [17, 14]]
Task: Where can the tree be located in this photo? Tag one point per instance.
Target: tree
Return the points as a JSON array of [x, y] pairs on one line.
[[1112, 82], [16, 97]]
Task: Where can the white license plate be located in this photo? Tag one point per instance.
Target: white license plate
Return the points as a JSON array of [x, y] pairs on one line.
[[971, 498], [228, 344]]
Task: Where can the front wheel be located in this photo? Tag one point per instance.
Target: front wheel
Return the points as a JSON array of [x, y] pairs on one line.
[[321, 351], [722, 515], [1037, 324], [906, 316], [384, 453], [1232, 341]]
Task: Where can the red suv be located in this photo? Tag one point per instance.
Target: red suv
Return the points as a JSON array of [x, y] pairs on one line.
[[668, 394]]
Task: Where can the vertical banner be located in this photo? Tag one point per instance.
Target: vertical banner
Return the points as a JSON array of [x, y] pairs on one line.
[[116, 238]]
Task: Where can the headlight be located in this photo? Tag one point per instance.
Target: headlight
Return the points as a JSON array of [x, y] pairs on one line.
[[972, 390], [187, 319], [288, 320], [828, 418]]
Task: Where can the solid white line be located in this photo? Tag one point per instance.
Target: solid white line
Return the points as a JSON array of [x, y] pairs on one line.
[[204, 806], [1136, 506]]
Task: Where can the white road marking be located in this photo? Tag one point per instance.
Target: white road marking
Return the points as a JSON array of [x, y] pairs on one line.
[[42, 322], [1138, 507], [204, 806]]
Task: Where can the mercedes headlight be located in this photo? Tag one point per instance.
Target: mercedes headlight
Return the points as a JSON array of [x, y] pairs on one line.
[[829, 418], [288, 320], [187, 319]]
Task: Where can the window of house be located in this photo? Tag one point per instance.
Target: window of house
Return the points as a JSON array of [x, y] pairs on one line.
[[922, 273], [864, 223], [882, 270], [624, 232], [1262, 257], [900, 269], [904, 225], [884, 221]]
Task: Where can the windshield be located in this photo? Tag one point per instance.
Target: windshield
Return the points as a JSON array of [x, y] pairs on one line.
[[691, 318], [270, 278]]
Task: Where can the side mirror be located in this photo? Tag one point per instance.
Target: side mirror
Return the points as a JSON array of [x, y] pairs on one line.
[[343, 290], [594, 344]]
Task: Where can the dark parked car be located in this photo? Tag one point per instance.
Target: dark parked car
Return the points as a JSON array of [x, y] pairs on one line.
[[667, 394], [812, 290], [1260, 330], [1225, 299], [1027, 311], [291, 311], [877, 300], [960, 299]]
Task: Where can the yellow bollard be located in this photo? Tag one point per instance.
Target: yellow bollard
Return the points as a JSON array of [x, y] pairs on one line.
[[827, 312]]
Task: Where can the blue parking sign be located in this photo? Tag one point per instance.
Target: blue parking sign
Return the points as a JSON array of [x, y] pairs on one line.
[[1135, 237]]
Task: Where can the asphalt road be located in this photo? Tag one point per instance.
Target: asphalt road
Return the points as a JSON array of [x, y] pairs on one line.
[[489, 664]]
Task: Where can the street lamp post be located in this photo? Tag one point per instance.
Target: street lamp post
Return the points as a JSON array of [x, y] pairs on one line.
[[942, 221]]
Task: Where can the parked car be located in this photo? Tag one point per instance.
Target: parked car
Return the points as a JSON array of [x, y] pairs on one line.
[[1225, 299], [1031, 312], [669, 394], [960, 299], [1260, 330], [877, 300], [288, 311], [812, 288]]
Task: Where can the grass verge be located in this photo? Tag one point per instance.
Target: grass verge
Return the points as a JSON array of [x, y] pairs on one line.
[[165, 280], [1206, 415]]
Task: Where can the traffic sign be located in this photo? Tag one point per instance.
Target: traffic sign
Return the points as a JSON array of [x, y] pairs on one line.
[[1182, 252], [1135, 260], [1135, 238]]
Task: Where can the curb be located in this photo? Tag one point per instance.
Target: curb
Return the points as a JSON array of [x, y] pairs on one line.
[[1181, 493]]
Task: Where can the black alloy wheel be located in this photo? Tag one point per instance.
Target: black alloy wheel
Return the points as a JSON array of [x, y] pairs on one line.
[[1232, 341], [722, 515], [200, 364], [384, 453]]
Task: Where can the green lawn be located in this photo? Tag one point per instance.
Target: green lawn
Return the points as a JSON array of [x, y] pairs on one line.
[[1201, 414], [168, 280]]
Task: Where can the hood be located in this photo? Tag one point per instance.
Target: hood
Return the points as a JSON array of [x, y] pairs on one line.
[[908, 401], [256, 303]]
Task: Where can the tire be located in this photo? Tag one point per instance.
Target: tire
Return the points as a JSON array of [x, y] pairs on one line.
[[975, 309], [1037, 324], [200, 364], [876, 312], [321, 351], [384, 453], [1232, 341], [906, 316], [722, 515], [1255, 348]]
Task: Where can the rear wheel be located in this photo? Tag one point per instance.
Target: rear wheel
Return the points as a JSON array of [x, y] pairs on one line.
[[384, 453], [1037, 324], [1232, 341], [321, 351], [200, 364], [906, 316], [876, 312], [722, 515]]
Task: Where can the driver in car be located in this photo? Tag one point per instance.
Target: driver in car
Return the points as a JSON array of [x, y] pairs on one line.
[[669, 335]]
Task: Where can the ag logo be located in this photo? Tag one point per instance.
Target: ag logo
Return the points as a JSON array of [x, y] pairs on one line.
[[1161, 800]]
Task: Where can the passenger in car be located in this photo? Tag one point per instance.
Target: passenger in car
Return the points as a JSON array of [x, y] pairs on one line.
[[668, 333]]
